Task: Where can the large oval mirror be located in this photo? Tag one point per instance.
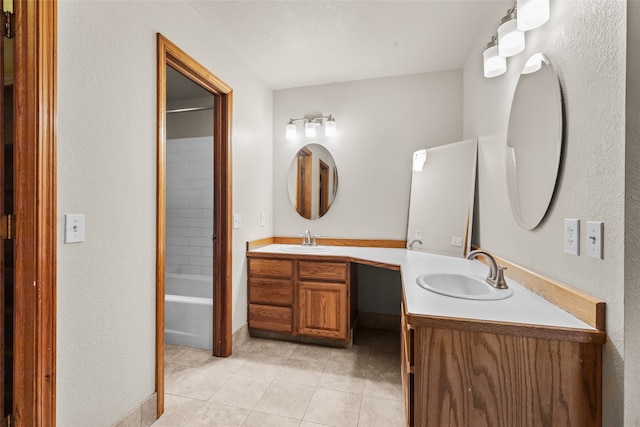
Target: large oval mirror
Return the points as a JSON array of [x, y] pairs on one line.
[[534, 142], [312, 181]]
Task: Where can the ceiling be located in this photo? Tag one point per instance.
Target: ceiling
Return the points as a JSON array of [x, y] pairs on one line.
[[301, 43]]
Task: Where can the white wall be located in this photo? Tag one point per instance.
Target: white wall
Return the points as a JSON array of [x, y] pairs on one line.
[[632, 242], [380, 122], [106, 170], [585, 40]]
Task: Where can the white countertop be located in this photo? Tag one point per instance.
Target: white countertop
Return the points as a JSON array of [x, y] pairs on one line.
[[522, 307]]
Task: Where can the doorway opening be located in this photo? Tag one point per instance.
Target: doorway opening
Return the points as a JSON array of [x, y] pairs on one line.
[[172, 58]]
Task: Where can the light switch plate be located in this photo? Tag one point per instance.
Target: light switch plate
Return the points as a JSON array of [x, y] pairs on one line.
[[572, 236], [419, 234], [456, 241], [595, 239], [73, 228], [237, 221], [263, 219]]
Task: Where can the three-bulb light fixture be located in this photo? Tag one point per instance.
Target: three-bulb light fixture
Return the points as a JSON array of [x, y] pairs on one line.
[[310, 124], [526, 15]]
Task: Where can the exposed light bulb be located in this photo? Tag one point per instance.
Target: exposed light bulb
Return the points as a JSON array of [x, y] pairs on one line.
[[532, 14], [494, 64], [510, 39]]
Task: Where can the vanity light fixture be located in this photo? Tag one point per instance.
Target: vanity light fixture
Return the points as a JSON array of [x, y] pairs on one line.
[[310, 128], [311, 123], [532, 14], [510, 39], [524, 16], [330, 126], [291, 130], [494, 64]]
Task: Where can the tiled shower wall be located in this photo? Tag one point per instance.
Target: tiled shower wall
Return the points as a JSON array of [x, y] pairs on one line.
[[189, 246]]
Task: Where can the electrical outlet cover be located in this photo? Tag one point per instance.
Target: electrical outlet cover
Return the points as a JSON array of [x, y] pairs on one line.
[[572, 236]]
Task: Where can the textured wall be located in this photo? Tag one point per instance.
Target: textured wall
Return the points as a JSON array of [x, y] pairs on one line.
[[381, 122], [107, 170], [632, 222], [585, 40]]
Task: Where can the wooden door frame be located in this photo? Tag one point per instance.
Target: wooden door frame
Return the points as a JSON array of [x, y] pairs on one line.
[[323, 188], [304, 182], [171, 55], [35, 119]]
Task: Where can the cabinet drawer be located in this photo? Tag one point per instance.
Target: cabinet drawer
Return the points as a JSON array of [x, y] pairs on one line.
[[270, 318], [270, 268], [336, 271], [271, 291]]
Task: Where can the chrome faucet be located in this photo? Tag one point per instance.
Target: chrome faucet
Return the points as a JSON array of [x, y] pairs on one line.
[[410, 247], [308, 239], [496, 272]]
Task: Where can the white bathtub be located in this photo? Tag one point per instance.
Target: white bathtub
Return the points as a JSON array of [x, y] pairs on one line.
[[188, 310]]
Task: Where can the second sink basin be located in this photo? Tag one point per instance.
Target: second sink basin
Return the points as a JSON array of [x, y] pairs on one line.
[[461, 286]]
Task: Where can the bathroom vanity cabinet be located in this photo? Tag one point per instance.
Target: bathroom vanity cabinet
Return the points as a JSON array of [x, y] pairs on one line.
[[534, 359], [301, 296], [465, 373]]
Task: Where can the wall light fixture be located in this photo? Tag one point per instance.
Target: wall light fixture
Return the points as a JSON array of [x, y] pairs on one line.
[[494, 64], [532, 14], [524, 16], [311, 123], [510, 39]]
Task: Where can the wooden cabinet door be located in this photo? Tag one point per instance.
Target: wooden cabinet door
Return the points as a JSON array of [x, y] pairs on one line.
[[322, 310]]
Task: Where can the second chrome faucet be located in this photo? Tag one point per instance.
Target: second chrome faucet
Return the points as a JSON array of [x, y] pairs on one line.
[[496, 272]]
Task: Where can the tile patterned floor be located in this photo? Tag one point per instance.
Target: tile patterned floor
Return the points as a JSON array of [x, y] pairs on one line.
[[276, 383]]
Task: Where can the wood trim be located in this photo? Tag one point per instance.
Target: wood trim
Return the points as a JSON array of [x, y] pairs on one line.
[[370, 243], [590, 310], [255, 244], [35, 208], [588, 336], [171, 55]]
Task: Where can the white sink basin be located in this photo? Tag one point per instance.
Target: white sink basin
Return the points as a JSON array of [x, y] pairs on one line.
[[461, 286], [305, 249]]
